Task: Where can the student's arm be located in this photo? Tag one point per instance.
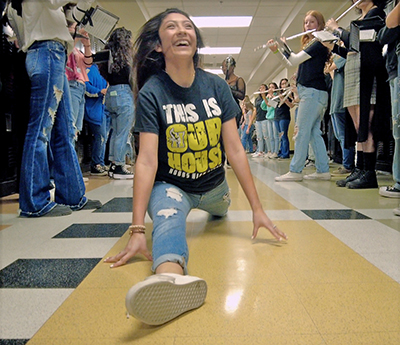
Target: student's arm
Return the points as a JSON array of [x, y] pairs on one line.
[[253, 116], [238, 161], [145, 172], [393, 18]]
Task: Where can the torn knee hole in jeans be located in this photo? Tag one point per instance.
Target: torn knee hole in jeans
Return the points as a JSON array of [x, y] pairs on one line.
[[175, 194], [168, 212], [58, 95]]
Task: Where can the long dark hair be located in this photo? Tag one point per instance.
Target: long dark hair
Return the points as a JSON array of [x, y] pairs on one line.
[[121, 46], [379, 3], [146, 60]]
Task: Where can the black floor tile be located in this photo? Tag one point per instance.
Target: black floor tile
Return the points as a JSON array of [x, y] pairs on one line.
[[94, 230], [46, 273], [334, 214], [117, 205], [13, 341]]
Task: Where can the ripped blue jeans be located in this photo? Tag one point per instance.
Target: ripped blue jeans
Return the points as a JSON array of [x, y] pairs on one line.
[[48, 141], [169, 207]]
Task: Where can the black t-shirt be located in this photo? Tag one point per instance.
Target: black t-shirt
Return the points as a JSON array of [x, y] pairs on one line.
[[260, 113], [122, 77], [188, 122], [282, 112], [311, 71]]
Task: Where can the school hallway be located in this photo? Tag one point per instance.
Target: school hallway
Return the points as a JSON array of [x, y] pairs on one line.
[[336, 281]]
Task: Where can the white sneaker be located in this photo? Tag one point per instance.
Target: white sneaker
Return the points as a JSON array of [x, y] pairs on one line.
[[318, 176], [163, 297], [255, 154], [258, 155], [274, 155], [290, 176], [396, 211]]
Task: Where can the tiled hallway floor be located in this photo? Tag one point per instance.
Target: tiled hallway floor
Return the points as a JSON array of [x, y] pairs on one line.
[[336, 281]]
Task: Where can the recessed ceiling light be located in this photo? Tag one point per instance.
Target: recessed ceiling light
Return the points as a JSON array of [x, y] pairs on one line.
[[219, 50], [222, 22]]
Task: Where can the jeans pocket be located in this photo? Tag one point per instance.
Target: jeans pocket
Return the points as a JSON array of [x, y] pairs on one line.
[[32, 58]]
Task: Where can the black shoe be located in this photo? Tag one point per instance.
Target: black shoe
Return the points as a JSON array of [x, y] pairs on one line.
[[111, 170], [367, 179], [353, 176], [122, 173], [97, 170]]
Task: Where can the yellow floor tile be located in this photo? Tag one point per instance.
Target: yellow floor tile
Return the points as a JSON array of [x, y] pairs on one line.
[[352, 307], [368, 338]]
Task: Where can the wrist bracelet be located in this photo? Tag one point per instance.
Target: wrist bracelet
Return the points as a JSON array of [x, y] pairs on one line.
[[136, 229]]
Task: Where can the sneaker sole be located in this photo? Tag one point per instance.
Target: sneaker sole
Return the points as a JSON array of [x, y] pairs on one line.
[[317, 178], [98, 174], [161, 301], [394, 195], [289, 180], [122, 177]]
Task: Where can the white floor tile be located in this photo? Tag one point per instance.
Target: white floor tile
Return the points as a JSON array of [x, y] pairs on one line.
[[23, 312]]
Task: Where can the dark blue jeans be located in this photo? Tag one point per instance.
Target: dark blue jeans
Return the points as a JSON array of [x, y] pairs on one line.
[[283, 126], [348, 154], [99, 141], [48, 138]]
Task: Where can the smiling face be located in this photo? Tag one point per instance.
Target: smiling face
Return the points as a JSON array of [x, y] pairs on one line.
[[178, 37]]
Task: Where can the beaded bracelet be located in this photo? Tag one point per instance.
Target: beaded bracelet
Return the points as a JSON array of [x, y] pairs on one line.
[[136, 229]]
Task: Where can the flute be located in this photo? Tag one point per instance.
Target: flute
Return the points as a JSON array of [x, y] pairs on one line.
[[287, 39], [348, 10], [260, 92], [310, 31]]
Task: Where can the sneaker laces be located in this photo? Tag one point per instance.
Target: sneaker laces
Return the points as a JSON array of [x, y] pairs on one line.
[[125, 170]]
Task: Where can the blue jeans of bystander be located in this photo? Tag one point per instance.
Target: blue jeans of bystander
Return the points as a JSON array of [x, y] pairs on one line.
[[247, 142], [120, 107], [283, 127], [311, 109], [348, 154], [49, 133], [395, 95], [77, 91], [261, 132], [273, 136]]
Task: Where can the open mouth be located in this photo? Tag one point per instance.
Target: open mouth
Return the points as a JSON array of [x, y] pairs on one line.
[[182, 44]]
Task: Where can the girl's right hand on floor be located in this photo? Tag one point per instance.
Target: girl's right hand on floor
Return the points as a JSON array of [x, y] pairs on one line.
[[136, 245]]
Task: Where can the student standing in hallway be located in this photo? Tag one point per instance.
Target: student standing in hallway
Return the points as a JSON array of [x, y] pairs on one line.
[[313, 96], [48, 139]]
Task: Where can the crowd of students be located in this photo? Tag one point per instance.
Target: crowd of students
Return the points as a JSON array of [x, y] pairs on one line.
[[358, 81]]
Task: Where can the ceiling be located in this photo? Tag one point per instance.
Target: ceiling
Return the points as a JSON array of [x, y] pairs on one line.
[[271, 18]]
